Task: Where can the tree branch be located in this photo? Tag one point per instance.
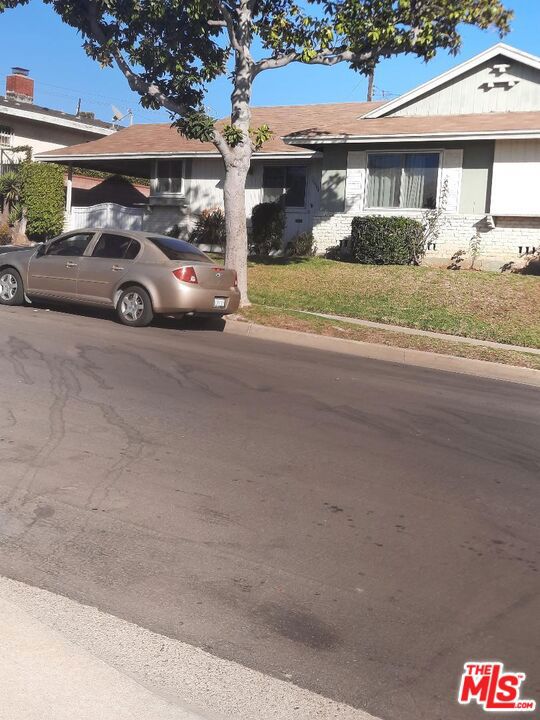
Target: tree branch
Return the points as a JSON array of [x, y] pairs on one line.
[[141, 86], [326, 57]]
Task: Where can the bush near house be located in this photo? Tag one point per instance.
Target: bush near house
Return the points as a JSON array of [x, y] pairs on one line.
[[302, 245], [379, 240], [42, 196], [267, 227], [209, 229]]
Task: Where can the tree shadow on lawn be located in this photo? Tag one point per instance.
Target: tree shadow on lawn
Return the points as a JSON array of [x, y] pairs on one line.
[[270, 260]]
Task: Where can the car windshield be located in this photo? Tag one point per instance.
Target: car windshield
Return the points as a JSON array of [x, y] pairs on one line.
[[178, 249]]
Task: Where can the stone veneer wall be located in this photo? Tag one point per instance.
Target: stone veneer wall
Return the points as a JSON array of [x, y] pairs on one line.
[[509, 241]]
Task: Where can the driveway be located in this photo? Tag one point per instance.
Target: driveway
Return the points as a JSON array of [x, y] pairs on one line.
[[356, 527]]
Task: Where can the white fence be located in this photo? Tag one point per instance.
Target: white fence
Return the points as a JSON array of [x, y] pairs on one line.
[[106, 215]]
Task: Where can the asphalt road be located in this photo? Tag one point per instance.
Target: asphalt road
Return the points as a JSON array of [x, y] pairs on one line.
[[357, 527]]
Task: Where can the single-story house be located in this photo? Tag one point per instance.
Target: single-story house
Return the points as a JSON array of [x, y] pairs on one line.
[[467, 144]]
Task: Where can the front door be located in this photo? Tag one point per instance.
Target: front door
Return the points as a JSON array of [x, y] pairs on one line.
[[53, 273], [109, 261]]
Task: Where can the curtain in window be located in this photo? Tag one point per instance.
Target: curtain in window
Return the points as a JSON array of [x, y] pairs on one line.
[[420, 180], [384, 180]]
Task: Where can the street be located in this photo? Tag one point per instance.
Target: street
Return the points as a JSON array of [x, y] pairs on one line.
[[359, 528]]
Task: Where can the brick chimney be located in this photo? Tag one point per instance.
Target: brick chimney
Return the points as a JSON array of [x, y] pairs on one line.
[[19, 86]]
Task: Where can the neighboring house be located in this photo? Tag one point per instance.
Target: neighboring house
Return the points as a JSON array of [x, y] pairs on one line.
[[467, 143], [25, 124]]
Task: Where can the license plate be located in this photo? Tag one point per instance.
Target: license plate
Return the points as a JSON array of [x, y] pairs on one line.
[[219, 302]]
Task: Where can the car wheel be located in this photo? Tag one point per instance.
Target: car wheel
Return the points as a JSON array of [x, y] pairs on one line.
[[11, 287], [135, 307]]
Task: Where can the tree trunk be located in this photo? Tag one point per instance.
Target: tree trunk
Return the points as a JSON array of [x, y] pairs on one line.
[[234, 196]]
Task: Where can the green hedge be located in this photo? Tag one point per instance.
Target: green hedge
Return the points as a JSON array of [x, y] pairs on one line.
[[377, 240], [267, 227], [42, 194]]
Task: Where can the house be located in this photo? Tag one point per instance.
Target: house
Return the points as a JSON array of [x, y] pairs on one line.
[[465, 145], [23, 124]]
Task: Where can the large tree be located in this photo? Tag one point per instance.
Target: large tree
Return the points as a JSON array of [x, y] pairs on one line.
[[170, 50]]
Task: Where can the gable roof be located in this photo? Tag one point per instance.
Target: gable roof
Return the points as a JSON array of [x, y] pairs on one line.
[[37, 113], [162, 140], [492, 52]]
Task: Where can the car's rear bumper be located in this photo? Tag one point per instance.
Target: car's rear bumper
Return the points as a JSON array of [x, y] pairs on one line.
[[181, 298]]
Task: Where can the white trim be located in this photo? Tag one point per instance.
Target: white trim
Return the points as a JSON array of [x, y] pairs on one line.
[[46, 157], [53, 120], [498, 49], [420, 137]]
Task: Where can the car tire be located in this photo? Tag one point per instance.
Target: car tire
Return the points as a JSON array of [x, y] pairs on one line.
[[134, 307], [11, 287]]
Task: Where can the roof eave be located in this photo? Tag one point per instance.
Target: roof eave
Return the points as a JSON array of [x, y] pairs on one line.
[[46, 157], [53, 120], [415, 137]]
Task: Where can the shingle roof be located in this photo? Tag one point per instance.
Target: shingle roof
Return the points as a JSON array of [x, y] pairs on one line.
[[53, 114], [347, 127], [160, 138], [304, 125]]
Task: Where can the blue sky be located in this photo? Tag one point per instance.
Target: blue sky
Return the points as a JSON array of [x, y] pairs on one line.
[[34, 37]]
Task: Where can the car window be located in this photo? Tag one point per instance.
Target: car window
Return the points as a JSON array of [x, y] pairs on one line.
[[70, 245], [116, 247], [178, 249]]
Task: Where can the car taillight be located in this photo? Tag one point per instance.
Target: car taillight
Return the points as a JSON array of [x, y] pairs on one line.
[[186, 274]]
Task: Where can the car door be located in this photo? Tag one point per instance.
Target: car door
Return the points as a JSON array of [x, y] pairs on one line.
[[53, 270], [101, 270]]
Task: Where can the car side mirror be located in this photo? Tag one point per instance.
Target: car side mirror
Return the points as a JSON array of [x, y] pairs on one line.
[[42, 249]]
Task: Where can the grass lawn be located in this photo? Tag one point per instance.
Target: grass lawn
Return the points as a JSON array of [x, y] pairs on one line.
[[486, 305], [291, 320]]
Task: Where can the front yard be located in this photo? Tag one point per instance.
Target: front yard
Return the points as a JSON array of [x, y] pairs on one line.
[[490, 306]]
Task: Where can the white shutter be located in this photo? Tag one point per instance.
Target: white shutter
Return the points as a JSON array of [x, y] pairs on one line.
[[451, 174], [355, 186]]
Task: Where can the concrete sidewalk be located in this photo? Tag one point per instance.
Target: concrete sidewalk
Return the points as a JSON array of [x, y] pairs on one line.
[[43, 676]]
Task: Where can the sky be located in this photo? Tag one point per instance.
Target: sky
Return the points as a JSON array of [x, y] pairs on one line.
[[34, 37]]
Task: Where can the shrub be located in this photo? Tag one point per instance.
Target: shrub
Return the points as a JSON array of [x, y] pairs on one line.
[[333, 252], [210, 228], [302, 245], [267, 226], [386, 240], [42, 195], [5, 234]]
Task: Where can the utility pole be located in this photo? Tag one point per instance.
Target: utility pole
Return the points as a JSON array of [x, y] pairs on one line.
[[371, 80]]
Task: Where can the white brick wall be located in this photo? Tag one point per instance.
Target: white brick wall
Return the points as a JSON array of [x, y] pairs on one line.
[[498, 245]]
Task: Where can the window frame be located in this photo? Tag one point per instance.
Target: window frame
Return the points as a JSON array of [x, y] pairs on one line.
[[156, 179], [91, 250], [400, 207], [284, 186], [57, 240], [8, 135]]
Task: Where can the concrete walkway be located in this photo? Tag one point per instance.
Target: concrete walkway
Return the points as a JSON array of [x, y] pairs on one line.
[[43, 676], [424, 333]]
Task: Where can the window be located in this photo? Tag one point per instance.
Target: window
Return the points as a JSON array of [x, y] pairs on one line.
[[285, 183], [6, 136], [71, 245], [178, 249], [168, 177], [402, 180], [116, 247]]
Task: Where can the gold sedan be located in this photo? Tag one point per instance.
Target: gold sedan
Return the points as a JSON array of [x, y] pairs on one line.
[[138, 274]]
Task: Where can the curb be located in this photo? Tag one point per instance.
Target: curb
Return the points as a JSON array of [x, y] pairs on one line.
[[386, 353]]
